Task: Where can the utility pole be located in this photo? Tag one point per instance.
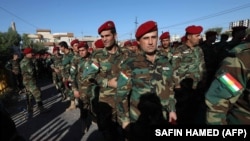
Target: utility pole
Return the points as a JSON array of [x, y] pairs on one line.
[[136, 24]]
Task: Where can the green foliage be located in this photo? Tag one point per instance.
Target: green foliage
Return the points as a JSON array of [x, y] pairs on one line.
[[7, 41]]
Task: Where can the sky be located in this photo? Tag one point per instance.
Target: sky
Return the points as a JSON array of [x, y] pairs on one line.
[[83, 17]]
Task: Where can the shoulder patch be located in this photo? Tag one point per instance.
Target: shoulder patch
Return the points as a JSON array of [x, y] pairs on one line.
[[231, 83]]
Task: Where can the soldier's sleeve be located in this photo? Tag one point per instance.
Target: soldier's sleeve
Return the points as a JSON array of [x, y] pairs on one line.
[[8, 66], [224, 91], [123, 89], [73, 72], [202, 67], [176, 60]]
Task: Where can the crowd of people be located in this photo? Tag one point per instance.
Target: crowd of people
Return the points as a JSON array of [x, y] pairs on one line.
[[128, 88]]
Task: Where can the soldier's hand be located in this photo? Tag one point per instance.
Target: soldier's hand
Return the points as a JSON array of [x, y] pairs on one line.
[[76, 94], [125, 124], [172, 117], [56, 70], [112, 82]]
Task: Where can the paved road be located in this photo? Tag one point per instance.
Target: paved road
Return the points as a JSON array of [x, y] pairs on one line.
[[54, 125]]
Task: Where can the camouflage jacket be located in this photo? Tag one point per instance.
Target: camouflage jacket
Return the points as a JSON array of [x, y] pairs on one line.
[[228, 98], [139, 76], [28, 70], [13, 65], [73, 69], [188, 63], [57, 61], [103, 67], [81, 84], [66, 64], [168, 53]]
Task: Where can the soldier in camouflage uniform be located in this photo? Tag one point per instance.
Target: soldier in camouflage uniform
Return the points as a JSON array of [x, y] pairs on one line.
[[65, 70], [13, 66], [73, 72], [29, 81], [56, 73], [189, 71], [80, 85], [148, 72], [104, 71], [165, 45], [228, 98]]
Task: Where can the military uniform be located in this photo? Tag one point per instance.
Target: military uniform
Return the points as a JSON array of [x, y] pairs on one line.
[[57, 76], [65, 69], [104, 67], [29, 81], [13, 66], [228, 98], [188, 63], [140, 76]]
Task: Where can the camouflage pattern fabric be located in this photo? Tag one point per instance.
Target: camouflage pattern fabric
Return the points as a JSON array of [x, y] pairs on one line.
[[188, 63], [73, 70], [57, 77], [239, 48], [82, 86], [103, 67], [13, 65], [228, 98], [29, 81], [168, 53], [65, 69], [139, 76]]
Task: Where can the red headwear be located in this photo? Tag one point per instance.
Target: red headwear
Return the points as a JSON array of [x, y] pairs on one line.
[[27, 50], [134, 43], [194, 29], [144, 28], [106, 26], [99, 43], [74, 41], [83, 44], [55, 49], [127, 43], [164, 35]]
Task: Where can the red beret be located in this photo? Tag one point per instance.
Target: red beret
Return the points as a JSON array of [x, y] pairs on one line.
[[211, 33], [164, 35], [134, 43], [183, 39], [74, 41], [106, 26], [194, 29], [83, 44], [239, 28], [145, 28], [55, 48], [128, 43], [90, 49], [27, 51], [99, 44]]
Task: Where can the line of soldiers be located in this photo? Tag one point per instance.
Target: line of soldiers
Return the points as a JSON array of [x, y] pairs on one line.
[[125, 90]]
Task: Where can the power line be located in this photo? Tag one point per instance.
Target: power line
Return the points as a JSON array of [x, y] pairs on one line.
[[211, 16], [19, 17]]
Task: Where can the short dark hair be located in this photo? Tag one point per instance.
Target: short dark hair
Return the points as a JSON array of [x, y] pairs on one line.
[[63, 44]]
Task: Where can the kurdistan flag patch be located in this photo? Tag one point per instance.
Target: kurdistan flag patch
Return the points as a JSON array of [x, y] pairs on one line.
[[95, 65], [124, 76], [231, 83]]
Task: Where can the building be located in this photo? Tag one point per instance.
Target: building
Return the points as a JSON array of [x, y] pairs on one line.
[[49, 39]]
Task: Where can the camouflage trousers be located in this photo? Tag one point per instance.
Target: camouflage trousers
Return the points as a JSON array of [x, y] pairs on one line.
[[33, 90]]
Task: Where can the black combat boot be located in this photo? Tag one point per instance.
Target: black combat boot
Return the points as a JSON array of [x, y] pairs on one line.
[[29, 104], [41, 107]]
